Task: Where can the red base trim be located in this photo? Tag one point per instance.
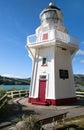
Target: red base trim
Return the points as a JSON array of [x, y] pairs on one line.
[[44, 65], [64, 101], [52, 101]]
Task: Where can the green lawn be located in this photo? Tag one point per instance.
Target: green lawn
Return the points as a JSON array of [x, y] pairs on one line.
[[78, 121]]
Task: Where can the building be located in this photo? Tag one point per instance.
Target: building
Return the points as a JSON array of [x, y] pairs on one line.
[[51, 49]]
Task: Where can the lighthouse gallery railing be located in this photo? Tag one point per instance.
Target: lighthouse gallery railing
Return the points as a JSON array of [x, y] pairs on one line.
[[53, 34]]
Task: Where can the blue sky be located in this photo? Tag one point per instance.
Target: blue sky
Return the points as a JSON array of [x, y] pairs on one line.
[[19, 18]]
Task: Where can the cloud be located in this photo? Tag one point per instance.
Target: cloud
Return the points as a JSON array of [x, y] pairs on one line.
[[10, 75], [80, 52], [82, 42], [82, 61]]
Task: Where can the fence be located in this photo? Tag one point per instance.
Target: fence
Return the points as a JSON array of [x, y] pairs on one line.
[[80, 94], [52, 35], [17, 93], [3, 101], [20, 93], [12, 94]]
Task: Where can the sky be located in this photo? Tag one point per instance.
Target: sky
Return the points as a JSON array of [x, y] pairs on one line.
[[20, 18]]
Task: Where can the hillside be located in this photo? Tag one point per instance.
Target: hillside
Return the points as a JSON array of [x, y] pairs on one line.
[[79, 80], [14, 81]]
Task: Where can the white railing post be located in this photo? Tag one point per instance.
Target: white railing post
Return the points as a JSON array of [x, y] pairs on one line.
[[80, 94], [19, 93], [12, 94], [3, 101]]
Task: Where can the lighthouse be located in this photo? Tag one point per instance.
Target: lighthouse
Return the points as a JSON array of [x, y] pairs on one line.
[[51, 49]]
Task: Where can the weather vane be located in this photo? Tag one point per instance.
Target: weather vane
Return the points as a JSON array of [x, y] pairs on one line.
[[51, 1]]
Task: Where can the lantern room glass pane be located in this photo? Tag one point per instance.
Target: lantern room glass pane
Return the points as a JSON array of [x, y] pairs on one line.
[[49, 17]]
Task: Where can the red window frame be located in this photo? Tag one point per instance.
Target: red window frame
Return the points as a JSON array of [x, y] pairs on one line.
[[45, 36]]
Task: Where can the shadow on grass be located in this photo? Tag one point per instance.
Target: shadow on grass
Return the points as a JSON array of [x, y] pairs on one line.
[[68, 127], [14, 111], [80, 128]]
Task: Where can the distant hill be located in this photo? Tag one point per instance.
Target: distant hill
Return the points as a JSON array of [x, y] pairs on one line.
[[79, 80], [14, 81]]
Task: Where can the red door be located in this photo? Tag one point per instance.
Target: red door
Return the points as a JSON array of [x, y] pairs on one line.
[[42, 89]]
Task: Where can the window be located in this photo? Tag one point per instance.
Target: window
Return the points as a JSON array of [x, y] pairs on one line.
[[44, 61], [66, 74], [63, 74], [42, 76], [45, 36]]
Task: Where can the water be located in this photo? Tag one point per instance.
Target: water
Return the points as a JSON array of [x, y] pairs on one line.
[[8, 87]]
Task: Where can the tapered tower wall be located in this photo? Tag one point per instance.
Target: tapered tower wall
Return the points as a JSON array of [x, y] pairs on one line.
[[64, 88]]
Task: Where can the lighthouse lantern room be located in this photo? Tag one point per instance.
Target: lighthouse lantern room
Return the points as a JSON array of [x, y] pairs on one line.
[[51, 49]]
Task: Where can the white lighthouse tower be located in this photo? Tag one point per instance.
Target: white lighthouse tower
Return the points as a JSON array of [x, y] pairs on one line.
[[51, 49]]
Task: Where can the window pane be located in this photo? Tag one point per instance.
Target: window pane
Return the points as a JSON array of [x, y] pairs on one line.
[[42, 76], [44, 61]]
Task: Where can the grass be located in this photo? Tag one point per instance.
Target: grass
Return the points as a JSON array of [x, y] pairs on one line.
[[2, 92], [4, 110], [80, 124], [79, 90], [78, 121], [75, 118]]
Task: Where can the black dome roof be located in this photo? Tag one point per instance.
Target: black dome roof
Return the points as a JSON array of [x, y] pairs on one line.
[[51, 6]]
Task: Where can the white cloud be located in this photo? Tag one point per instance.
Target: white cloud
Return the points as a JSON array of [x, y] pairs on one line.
[[10, 75], [82, 61], [80, 52], [82, 73], [82, 42]]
